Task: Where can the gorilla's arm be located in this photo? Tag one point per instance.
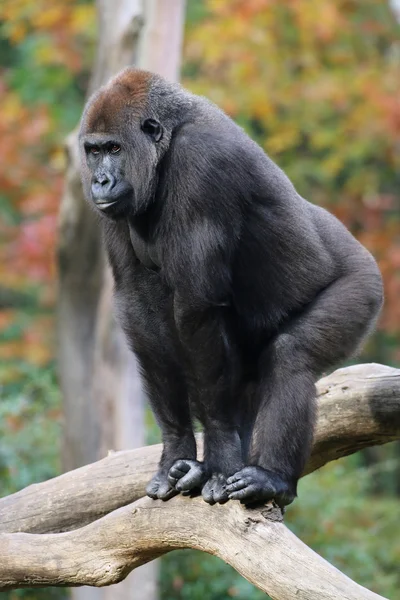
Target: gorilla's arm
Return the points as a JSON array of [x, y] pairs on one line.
[[203, 317], [198, 258], [144, 306]]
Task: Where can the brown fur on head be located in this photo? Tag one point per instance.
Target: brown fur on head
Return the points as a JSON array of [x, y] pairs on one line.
[[125, 131], [126, 92]]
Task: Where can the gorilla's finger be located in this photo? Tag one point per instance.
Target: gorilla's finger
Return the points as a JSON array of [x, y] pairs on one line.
[[167, 494], [236, 477], [175, 475], [191, 480], [245, 493], [151, 493], [182, 465], [236, 485], [152, 488]]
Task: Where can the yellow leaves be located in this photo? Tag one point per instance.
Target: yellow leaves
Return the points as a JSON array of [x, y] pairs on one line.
[[58, 159], [286, 138], [322, 17], [82, 18], [46, 54], [53, 15], [333, 164], [57, 24], [50, 32], [11, 107], [66, 15], [14, 17], [261, 105], [17, 32], [323, 138]]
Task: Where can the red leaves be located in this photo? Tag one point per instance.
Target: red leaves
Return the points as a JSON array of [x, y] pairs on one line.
[[47, 41]]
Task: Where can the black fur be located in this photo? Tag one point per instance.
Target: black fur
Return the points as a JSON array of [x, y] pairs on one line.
[[234, 292]]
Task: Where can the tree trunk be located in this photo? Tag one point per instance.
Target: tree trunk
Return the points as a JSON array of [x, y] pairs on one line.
[[103, 401]]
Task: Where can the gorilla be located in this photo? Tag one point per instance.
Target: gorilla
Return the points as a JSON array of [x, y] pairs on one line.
[[234, 292]]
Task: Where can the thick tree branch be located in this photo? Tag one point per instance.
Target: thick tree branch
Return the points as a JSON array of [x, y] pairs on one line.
[[254, 542], [358, 407]]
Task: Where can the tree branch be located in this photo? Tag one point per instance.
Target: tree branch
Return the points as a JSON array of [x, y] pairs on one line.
[[255, 542], [357, 407]]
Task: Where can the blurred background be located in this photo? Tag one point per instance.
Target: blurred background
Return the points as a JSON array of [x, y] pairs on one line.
[[317, 84]]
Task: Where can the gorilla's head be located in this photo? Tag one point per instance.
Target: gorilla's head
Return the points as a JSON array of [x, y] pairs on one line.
[[125, 132]]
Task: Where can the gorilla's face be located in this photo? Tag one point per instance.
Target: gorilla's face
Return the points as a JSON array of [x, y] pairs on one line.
[[110, 189], [121, 147]]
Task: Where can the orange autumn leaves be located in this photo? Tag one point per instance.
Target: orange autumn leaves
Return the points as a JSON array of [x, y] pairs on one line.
[[47, 46]]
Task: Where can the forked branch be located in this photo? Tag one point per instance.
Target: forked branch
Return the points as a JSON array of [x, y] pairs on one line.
[[358, 407], [254, 542]]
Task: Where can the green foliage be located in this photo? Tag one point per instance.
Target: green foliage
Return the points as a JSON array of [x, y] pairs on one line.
[[353, 530], [36, 594], [193, 575], [30, 428], [52, 85]]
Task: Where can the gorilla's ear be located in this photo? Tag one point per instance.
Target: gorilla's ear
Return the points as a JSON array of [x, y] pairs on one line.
[[153, 129]]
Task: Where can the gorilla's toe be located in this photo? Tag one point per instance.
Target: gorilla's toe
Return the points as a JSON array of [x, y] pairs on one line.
[[214, 490], [159, 488]]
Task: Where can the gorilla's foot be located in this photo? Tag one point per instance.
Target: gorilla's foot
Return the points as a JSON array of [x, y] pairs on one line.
[[187, 475], [159, 487], [255, 484], [215, 489]]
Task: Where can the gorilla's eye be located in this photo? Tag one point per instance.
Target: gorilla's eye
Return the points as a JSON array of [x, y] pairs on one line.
[[94, 150], [152, 128], [115, 149]]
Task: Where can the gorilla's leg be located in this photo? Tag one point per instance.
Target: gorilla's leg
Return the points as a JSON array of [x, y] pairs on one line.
[[223, 454], [146, 316], [168, 397], [282, 434], [328, 331], [207, 336]]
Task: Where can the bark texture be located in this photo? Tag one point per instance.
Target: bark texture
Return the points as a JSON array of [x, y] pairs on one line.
[[255, 542]]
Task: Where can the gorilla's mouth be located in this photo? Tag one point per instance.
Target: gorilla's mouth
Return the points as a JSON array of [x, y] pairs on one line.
[[117, 204], [104, 205]]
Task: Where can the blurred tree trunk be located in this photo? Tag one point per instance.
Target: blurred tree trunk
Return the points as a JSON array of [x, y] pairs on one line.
[[95, 366]]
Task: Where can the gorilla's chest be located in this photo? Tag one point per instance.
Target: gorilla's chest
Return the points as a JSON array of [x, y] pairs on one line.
[[145, 250]]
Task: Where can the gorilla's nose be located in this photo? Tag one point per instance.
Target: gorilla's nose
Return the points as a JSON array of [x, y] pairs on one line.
[[102, 185]]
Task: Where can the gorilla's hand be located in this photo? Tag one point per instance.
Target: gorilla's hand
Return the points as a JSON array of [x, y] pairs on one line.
[[255, 484], [187, 475]]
